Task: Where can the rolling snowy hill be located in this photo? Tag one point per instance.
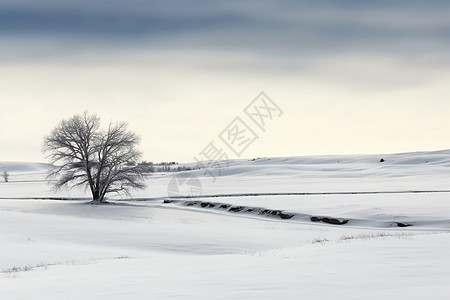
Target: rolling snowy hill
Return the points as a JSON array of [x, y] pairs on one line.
[[253, 229]]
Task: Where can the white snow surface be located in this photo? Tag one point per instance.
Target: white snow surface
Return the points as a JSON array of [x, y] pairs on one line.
[[142, 248]]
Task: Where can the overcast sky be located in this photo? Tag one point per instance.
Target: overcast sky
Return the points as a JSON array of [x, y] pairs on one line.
[[349, 76]]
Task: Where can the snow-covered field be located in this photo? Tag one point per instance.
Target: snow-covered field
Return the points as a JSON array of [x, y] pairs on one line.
[[194, 249]]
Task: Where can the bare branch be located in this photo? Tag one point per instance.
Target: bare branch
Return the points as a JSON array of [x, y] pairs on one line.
[[84, 155]]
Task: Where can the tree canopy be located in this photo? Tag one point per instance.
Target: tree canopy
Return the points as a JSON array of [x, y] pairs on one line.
[[101, 160]]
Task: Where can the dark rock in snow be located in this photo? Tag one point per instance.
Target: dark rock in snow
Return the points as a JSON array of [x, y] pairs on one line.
[[236, 208], [403, 224], [332, 221], [286, 216]]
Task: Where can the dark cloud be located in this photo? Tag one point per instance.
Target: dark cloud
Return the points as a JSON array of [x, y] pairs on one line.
[[107, 23], [301, 27]]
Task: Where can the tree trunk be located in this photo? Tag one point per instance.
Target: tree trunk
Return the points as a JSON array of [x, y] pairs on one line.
[[96, 197]]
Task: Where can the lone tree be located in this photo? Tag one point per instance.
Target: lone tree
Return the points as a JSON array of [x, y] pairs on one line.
[[5, 176], [104, 161]]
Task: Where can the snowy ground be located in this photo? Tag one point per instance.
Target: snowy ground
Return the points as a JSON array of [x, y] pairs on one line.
[[147, 249]]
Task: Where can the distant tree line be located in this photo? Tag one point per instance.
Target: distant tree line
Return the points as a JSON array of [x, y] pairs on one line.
[[150, 167]]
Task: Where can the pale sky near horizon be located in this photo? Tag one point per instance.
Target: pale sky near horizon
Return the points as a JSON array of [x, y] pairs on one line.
[[350, 76]]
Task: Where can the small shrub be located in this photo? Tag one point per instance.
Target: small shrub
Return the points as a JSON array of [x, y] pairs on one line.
[[367, 236], [18, 269], [319, 240]]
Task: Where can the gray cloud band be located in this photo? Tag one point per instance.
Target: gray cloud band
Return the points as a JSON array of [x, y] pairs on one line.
[[293, 26]]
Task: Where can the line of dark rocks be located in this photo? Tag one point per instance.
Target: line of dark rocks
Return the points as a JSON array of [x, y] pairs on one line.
[[273, 213], [234, 208]]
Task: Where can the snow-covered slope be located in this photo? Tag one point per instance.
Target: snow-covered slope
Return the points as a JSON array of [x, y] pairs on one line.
[[148, 248], [317, 174], [314, 174], [23, 167]]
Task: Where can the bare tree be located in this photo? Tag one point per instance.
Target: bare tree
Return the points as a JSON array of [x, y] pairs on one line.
[[5, 176], [105, 161]]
